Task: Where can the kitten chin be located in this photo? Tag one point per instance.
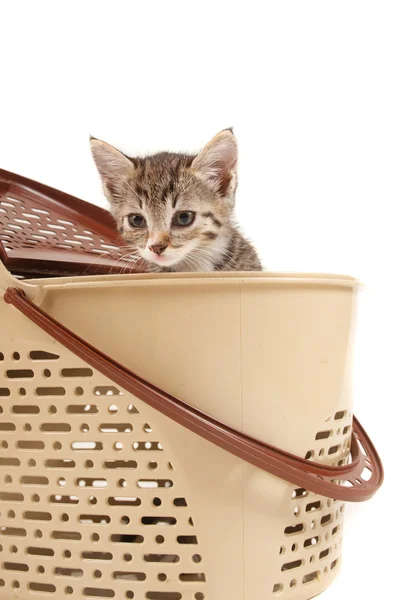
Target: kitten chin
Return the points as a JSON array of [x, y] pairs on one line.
[[176, 210], [195, 260]]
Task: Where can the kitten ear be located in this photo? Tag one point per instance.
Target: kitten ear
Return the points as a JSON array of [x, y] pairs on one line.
[[113, 166], [216, 163]]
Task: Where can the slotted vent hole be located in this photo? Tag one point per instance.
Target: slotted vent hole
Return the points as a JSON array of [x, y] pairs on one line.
[[61, 464], [321, 523]]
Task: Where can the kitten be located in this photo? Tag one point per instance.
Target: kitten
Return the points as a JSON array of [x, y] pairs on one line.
[[175, 210]]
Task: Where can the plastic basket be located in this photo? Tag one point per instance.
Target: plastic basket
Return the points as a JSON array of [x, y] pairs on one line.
[[45, 232], [202, 461]]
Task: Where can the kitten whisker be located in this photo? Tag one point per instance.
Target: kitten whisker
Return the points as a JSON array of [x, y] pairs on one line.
[[98, 255], [131, 262]]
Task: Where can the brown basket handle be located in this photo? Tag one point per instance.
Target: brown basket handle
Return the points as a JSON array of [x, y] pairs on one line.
[[341, 483]]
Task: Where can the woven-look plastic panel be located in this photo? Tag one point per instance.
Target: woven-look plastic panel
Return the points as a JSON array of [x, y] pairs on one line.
[[89, 502], [311, 543], [46, 232]]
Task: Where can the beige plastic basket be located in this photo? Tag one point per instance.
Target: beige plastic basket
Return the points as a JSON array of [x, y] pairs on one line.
[[113, 488]]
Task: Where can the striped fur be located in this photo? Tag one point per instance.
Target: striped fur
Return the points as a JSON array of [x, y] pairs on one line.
[[159, 186]]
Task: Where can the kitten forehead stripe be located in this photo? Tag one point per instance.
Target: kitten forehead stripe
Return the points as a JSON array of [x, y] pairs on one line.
[[141, 192], [210, 215], [168, 190]]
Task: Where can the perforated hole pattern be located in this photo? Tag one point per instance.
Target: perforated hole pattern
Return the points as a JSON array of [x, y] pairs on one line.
[[28, 223], [89, 504], [313, 535]]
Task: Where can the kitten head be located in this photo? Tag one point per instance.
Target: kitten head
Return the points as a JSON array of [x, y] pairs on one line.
[[174, 210]]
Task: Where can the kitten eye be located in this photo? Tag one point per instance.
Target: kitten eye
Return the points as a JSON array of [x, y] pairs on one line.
[[184, 218], [136, 221]]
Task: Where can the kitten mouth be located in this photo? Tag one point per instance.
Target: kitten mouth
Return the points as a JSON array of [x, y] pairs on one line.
[[159, 258], [167, 259]]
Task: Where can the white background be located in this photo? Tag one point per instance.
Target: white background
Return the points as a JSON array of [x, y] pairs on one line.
[[312, 89]]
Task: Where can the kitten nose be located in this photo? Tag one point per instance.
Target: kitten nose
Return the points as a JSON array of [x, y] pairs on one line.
[[158, 248]]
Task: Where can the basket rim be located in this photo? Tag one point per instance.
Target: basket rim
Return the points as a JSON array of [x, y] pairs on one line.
[[261, 278]]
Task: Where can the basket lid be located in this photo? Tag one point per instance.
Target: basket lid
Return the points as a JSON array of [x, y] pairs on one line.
[[45, 232]]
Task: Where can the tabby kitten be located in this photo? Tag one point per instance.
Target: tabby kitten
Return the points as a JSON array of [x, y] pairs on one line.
[[176, 211]]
